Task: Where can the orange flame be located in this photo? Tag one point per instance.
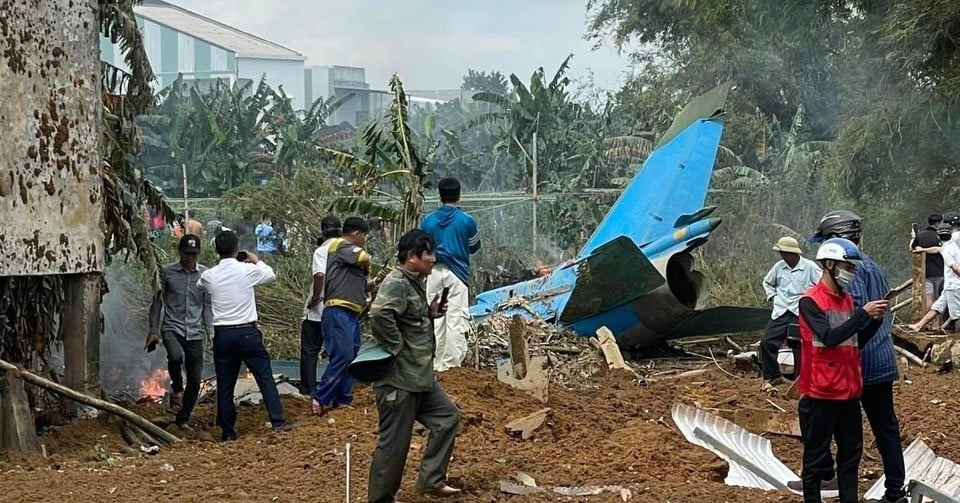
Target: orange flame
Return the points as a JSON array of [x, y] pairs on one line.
[[155, 386]]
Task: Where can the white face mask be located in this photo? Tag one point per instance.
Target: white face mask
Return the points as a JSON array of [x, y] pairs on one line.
[[844, 278]]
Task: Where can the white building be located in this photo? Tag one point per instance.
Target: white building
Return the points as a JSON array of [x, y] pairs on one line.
[[179, 41]]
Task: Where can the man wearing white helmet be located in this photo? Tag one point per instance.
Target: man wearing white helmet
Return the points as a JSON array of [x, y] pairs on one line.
[[830, 384], [877, 358], [784, 284]]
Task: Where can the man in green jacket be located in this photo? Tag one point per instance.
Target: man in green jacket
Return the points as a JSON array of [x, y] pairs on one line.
[[402, 323]]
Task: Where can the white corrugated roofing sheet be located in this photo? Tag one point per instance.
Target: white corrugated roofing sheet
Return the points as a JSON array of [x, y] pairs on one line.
[[924, 465], [213, 32]]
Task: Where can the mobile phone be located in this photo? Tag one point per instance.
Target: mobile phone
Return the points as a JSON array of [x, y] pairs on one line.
[[152, 346], [443, 297], [242, 256], [890, 295]]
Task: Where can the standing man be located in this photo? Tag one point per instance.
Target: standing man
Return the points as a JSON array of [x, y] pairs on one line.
[[401, 320], [456, 235], [311, 335], [236, 337], [345, 288], [928, 242], [266, 236], [784, 284], [877, 356], [180, 316], [831, 329]]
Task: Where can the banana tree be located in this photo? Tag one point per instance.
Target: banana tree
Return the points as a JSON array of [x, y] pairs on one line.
[[388, 167]]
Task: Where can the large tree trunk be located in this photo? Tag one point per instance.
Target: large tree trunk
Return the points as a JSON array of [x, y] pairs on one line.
[[50, 163]]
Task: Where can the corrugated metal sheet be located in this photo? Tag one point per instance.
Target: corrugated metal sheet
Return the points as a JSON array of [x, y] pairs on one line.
[[750, 456], [50, 163], [227, 37], [924, 465]]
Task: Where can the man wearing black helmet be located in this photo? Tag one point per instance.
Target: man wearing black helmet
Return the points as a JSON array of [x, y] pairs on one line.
[[877, 356]]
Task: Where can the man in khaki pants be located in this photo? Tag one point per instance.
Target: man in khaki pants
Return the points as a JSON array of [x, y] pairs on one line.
[[456, 235]]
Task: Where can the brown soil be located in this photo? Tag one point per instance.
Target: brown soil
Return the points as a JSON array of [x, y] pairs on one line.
[[620, 434]]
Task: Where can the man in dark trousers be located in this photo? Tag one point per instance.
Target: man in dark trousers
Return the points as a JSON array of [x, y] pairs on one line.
[[928, 242], [345, 291], [311, 335], [831, 330], [877, 357], [783, 285], [401, 319], [236, 338], [181, 317]]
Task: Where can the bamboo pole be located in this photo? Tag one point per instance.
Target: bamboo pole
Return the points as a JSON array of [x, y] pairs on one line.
[[147, 426]]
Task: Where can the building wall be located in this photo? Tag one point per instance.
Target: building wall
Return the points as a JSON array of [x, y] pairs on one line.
[[50, 162], [280, 72], [171, 52]]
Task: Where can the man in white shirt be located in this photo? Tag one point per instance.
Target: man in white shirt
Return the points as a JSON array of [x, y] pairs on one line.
[[787, 280], [951, 269], [236, 337], [311, 337]]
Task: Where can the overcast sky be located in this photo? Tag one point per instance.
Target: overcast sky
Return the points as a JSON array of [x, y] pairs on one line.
[[430, 43]]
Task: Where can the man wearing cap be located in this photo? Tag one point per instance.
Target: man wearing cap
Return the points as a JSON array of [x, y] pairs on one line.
[[180, 316], [784, 284], [401, 320], [311, 337]]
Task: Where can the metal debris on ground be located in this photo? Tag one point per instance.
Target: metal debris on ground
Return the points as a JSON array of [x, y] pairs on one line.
[[924, 465], [571, 360], [751, 459], [525, 426], [510, 487]]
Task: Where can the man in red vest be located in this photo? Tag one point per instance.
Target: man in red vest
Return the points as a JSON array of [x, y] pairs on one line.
[[830, 383]]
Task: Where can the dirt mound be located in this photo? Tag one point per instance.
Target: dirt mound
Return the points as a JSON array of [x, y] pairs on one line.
[[619, 434]]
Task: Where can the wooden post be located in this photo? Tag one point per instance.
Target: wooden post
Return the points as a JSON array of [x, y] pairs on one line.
[[519, 353], [919, 261], [186, 206], [16, 420], [81, 333], [534, 154]]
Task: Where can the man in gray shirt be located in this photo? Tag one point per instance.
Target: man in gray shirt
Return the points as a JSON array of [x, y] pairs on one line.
[[186, 316]]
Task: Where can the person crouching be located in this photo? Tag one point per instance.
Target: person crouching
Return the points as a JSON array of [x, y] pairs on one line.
[[830, 382]]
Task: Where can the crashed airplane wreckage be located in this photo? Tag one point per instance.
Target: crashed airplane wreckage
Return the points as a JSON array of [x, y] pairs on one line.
[[635, 274]]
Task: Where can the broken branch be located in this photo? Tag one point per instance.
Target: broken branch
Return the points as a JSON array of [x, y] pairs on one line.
[[114, 409]]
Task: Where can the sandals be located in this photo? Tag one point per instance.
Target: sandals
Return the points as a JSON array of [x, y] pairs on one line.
[[317, 409], [176, 402]]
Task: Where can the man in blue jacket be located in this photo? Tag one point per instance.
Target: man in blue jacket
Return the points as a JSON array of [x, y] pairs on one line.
[[456, 235], [877, 356]]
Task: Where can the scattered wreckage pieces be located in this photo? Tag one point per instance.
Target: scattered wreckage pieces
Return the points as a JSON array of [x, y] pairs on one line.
[[527, 486], [527, 425], [925, 466], [750, 456], [610, 349]]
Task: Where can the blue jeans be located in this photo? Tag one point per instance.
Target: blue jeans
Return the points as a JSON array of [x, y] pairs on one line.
[[341, 336], [232, 346]]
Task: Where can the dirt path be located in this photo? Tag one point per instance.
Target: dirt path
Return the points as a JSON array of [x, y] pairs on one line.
[[620, 435]]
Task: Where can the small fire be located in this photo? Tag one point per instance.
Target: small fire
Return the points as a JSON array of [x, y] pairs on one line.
[[155, 386]]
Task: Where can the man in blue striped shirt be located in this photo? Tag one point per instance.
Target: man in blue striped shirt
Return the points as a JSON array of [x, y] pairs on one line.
[[877, 356]]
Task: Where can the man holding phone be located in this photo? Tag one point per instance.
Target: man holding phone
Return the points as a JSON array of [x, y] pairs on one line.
[[400, 318], [457, 237]]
